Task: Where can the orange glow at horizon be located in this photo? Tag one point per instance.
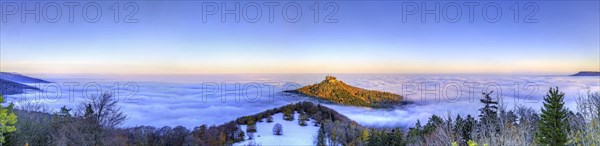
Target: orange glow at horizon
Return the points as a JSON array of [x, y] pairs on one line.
[[297, 67]]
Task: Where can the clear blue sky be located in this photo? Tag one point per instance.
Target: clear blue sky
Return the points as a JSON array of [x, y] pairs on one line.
[[370, 37]]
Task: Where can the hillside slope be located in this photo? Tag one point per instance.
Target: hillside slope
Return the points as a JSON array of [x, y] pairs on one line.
[[9, 87], [13, 83], [337, 91], [15, 77], [292, 132]]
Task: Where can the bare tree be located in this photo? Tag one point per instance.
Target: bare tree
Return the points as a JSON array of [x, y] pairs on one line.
[[105, 110], [94, 124], [443, 133], [33, 126], [587, 131], [527, 125], [32, 106]]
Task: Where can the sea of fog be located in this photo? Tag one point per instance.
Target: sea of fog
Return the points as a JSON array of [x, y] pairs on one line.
[[192, 100]]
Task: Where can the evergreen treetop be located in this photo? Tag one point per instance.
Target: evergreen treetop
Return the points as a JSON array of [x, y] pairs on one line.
[[552, 127], [8, 119]]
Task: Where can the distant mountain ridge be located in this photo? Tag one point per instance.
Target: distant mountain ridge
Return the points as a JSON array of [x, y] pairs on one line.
[[337, 91], [587, 73], [15, 77], [13, 83], [10, 88]]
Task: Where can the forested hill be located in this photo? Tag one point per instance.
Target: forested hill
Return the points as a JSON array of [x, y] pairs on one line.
[[13, 83], [9, 87], [15, 77], [337, 91]]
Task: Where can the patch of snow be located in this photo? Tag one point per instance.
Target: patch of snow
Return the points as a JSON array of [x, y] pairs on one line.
[[293, 133]]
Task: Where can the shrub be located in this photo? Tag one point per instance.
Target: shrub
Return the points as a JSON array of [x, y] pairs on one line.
[[277, 129]]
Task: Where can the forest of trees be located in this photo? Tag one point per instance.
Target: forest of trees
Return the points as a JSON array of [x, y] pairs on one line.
[[337, 91], [495, 125], [96, 122]]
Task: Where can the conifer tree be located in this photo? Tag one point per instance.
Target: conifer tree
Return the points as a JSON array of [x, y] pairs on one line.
[[321, 136], [488, 118], [376, 138], [467, 129], [64, 112], [288, 114], [434, 122], [303, 118], [396, 137], [489, 113], [552, 127], [8, 119], [364, 135], [88, 111], [269, 119], [415, 133], [251, 124]]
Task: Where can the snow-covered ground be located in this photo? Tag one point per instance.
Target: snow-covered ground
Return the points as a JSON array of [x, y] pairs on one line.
[[293, 134]]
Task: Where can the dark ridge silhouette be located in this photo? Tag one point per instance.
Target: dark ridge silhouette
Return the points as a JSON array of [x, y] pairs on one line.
[[587, 73], [14, 83], [15, 77], [11, 88]]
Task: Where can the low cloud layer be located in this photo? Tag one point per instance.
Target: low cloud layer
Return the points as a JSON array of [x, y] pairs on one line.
[[193, 100]]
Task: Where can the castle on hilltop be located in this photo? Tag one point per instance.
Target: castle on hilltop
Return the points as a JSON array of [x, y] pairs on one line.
[[330, 79]]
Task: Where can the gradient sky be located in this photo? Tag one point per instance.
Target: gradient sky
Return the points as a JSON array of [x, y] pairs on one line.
[[370, 37]]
